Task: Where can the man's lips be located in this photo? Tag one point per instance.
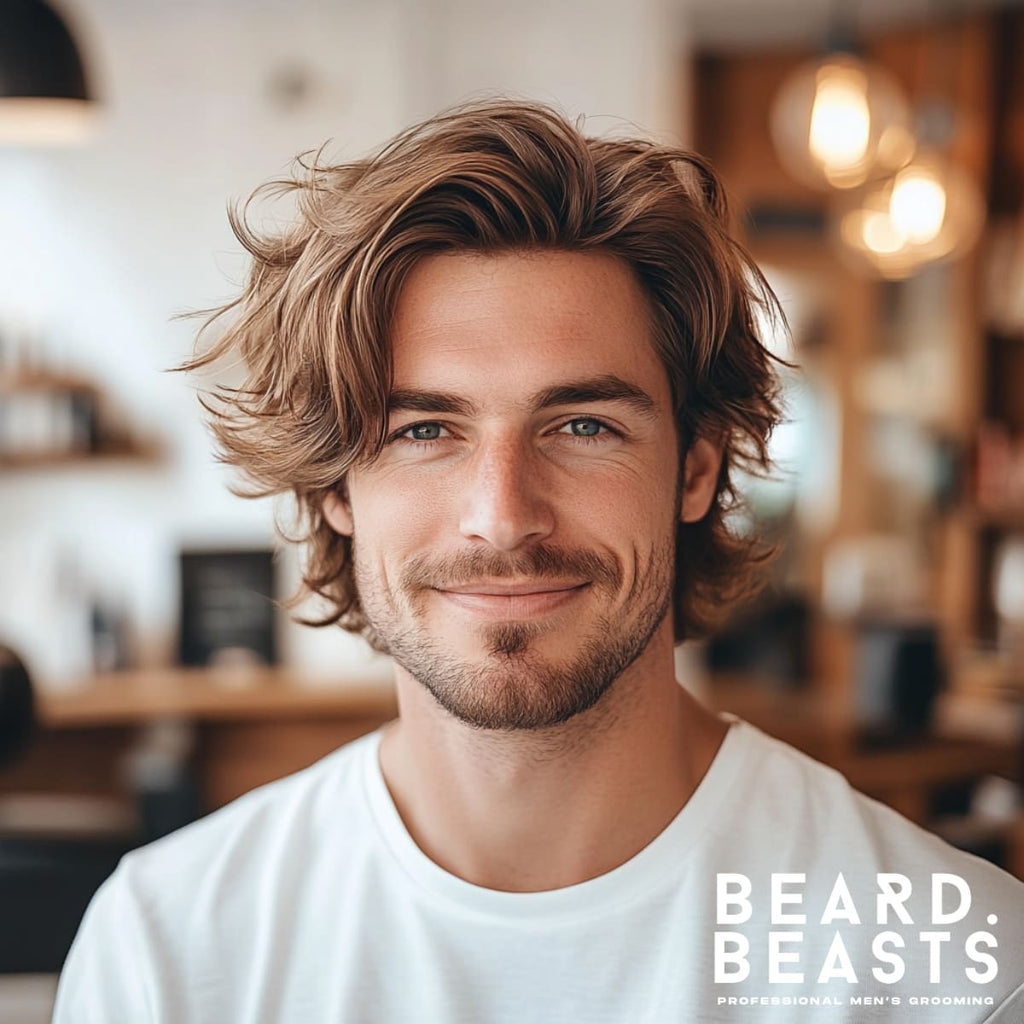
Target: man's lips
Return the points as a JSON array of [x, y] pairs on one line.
[[505, 600], [507, 589]]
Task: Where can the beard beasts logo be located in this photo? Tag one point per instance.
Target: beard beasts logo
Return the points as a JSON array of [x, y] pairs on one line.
[[839, 945]]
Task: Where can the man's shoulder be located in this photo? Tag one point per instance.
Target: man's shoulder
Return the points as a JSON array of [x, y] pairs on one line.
[[852, 886], [199, 902], [816, 818], [257, 830]]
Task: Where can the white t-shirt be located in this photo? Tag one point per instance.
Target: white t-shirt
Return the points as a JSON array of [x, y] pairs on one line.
[[307, 902]]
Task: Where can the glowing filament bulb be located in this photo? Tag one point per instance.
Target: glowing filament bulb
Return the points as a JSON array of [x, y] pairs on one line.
[[880, 234], [840, 121], [918, 204]]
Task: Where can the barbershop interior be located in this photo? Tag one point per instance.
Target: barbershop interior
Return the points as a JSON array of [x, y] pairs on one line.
[[151, 667]]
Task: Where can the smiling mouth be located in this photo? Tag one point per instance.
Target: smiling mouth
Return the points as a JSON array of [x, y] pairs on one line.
[[505, 600]]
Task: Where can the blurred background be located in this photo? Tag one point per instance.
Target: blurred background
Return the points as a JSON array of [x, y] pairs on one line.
[[874, 153]]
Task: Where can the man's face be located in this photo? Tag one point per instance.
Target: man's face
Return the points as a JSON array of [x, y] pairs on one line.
[[514, 542]]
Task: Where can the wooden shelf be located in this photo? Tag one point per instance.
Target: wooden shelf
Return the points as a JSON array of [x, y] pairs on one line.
[[993, 519], [1003, 519], [44, 381], [133, 451], [209, 694], [115, 443]]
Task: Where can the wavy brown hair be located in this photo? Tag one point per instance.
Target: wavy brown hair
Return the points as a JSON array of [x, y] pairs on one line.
[[311, 325]]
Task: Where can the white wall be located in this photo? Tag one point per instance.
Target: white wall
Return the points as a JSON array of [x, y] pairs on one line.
[[102, 245]]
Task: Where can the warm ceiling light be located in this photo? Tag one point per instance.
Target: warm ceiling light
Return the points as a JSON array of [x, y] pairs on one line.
[[44, 97], [928, 211], [840, 121], [917, 204], [880, 234]]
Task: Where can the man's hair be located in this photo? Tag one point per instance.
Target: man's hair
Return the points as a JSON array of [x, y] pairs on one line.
[[312, 324]]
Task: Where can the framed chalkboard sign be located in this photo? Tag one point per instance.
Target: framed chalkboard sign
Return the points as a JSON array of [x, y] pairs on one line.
[[227, 607]]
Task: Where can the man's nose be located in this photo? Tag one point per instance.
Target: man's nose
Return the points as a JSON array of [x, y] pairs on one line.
[[504, 501]]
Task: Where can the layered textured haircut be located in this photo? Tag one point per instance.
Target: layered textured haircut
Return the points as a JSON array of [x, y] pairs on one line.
[[311, 327]]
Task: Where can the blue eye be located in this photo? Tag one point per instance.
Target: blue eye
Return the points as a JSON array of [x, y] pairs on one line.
[[585, 427], [424, 431]]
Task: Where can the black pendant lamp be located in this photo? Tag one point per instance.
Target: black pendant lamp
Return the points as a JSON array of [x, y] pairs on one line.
[[44, 96]]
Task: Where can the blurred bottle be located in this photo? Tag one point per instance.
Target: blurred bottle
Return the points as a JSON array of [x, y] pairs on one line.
[[109, 635], [72, 628], [159, 771]]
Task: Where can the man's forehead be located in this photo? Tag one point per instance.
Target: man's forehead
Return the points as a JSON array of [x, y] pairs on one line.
[[522, 321]]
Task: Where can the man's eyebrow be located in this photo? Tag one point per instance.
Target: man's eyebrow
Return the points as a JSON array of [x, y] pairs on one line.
[[409, 400], [607, 388]]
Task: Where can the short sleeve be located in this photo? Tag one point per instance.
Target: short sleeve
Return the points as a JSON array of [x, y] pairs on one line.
[[107, 973]]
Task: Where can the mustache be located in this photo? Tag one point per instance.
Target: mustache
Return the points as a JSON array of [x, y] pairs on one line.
[[540, 562]]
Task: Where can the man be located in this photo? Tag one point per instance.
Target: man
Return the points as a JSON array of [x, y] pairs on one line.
[[508, 373]]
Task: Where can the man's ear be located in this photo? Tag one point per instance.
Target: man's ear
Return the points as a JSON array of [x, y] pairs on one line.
[[700, 478], [338, 513]]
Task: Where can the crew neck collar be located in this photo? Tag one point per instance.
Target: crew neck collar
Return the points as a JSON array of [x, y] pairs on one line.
[[658, 862]]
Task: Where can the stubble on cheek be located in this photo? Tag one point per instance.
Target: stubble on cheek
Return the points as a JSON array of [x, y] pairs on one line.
[[399, 615], [380, 603], [507, 682]]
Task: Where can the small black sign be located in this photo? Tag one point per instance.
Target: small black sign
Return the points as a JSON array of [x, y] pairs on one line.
[[227, 606]]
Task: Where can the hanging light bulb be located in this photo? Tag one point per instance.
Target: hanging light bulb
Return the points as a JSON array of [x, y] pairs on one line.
[[928, 211], [917, 204], [880, 234], [872, 241], [840, 121]]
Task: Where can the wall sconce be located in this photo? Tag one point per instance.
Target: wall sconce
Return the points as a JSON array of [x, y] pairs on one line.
[[44, 95]]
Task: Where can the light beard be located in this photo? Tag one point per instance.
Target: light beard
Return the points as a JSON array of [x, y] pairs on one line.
[[514, 687]]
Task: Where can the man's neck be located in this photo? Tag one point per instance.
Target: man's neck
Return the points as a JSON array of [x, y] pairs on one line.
[[545, 809]]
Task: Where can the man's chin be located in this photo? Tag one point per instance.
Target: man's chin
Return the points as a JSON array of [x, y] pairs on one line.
[[512, 639], [507, 698], [526, 647], [515, 676]]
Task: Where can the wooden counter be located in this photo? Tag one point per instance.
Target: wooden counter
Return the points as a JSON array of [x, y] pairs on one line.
[[249, 726], [254, 725], [905, 776], [211, 695]]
